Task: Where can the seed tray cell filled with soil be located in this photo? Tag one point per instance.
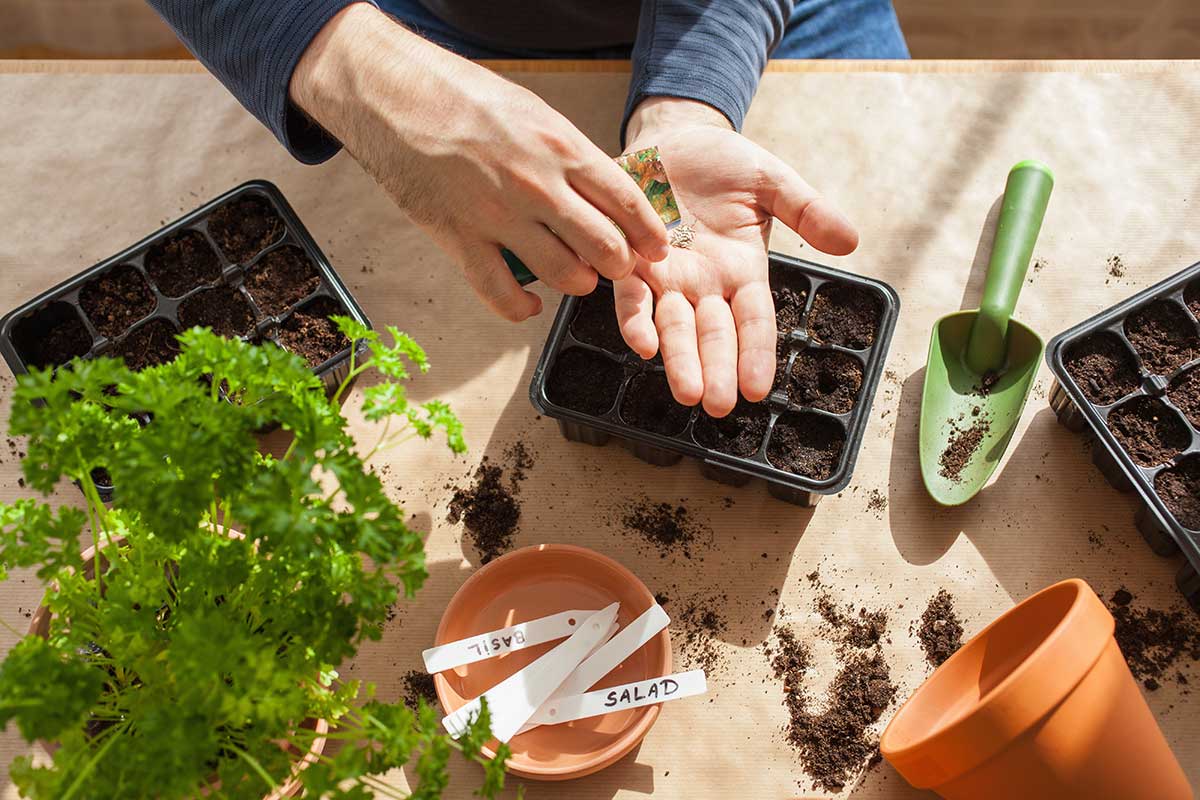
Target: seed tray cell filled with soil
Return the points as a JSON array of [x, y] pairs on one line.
[[116, 300], [181, 262], [309, 332], [244, 227], [148, 345], [845, 315], [1103, 366], [789, 290], [1164, 336], [1149, 430], [1184, 392], [1191, 297], [595, 322], [1179, 488], [740, 433], [826, 379], [52, 336], [585, 381], [806, 444], [649, 405], [282, 278], [222, 308]]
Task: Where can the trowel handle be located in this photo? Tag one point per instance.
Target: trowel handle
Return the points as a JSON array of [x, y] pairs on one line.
[[1026, 196], [517, 267]]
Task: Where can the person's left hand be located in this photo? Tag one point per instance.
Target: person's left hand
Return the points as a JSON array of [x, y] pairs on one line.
[[709, 307]]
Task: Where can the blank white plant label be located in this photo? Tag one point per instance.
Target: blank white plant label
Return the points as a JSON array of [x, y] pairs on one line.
[[506, 640], [621, 698]]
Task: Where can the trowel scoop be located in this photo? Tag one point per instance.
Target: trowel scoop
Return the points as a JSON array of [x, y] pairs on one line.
[[982, 362]]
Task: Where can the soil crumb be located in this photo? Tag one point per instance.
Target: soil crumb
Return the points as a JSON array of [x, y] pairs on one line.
[[877, 503], [1116, 267], [669, 529], [489, 508], [862, 630], [940, 631], [834, 743], [418, 686], [695, 633], [1154, 641], [963, 444]]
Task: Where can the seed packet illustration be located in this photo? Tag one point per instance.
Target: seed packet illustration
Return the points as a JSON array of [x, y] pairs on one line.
[[647, 171]]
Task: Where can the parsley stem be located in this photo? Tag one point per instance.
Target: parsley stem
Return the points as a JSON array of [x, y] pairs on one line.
[[91, 765], [253, 762]]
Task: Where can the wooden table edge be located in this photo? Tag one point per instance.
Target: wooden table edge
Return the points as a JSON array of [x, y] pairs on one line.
[[954, 66]]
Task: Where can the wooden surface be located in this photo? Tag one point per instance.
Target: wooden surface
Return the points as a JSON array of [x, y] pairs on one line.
[[916, 155]]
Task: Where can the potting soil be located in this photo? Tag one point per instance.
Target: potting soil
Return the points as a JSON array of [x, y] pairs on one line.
[[940, 631]]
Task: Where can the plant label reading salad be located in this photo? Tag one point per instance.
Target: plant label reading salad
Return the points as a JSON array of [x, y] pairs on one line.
[[624, 697]]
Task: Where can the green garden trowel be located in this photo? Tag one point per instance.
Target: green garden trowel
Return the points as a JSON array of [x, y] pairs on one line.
[[982, 363]]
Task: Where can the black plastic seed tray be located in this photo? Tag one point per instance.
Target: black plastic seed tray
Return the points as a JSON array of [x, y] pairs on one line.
[[597, 388], [204, 268], [1130, 378]]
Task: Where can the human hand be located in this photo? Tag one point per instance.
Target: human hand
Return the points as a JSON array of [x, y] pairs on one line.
[[478, 162], [709, 307]]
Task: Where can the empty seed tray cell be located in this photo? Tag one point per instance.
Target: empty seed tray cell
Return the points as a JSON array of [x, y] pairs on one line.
[[1130, 378], [833, 334], [242, 264]]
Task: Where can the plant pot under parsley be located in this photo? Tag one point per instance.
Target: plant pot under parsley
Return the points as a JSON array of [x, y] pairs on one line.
[[834, 330], [242, 264], [193, 655], [1130, 377]]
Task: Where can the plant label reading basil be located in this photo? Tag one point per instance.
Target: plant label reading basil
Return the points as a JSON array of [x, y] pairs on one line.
[[624, 697], [506, 640]]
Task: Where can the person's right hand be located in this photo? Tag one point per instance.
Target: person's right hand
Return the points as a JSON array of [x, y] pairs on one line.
[[479, 162]]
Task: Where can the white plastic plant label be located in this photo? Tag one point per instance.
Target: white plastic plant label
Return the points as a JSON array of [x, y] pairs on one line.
[[607, 657], [512, 701], [506, 640], [622, 698]]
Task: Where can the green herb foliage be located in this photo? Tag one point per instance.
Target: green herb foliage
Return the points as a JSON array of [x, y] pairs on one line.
[[196, 654]]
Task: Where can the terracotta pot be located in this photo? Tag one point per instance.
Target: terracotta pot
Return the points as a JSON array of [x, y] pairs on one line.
[[530, 583], [1039, 706], [39, 625]]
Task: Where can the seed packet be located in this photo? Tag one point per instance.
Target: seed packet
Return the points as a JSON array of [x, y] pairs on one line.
[[646, 169]]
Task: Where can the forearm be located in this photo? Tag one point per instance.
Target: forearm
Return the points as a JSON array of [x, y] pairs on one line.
[[252, 46], [713, 53]]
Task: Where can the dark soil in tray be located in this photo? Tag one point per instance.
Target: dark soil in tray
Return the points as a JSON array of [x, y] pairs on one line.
[[309, 332], [1163, 335], [1179, 488], [584, 381], [1149, 430], [649, 405], [1103, 367], [806, 444], [941, 631], [789, 290], [826, 379], [283, 277], [222, 308], [245, 227], [739, 433], [846, 315], [1191, 296], [52, 336], [595, 322], [116, 300], [1184, 392], [149, 345], [181, 262]]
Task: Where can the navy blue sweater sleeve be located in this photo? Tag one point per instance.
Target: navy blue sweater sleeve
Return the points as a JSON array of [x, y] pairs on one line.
[[703, 50], [252, 46]]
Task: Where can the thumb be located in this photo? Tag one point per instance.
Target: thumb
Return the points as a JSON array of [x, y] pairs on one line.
[[789, 197]]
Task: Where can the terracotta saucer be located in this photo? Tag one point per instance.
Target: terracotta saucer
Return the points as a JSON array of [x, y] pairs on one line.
[[533, 582]]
